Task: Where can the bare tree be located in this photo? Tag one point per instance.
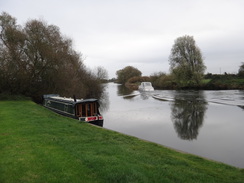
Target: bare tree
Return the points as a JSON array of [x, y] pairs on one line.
[[101, 73]]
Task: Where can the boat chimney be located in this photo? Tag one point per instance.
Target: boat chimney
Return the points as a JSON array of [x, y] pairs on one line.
[[74, 98]]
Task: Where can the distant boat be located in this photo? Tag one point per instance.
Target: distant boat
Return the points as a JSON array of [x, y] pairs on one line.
[[146, 86], [86, 110]]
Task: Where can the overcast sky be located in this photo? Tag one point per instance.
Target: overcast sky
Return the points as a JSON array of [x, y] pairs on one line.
[[117, 33]]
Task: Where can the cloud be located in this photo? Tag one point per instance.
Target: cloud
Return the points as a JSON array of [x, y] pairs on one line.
[[114, 33]]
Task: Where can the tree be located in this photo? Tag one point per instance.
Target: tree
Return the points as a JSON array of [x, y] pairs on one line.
[[186, 62], [161, 80], [12, 66], [126, 73], [241, 70], [101, 73], [37, 59]]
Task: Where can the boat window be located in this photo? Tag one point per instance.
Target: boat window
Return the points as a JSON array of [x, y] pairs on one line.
[[83, 110], [95, 108], [48, 103], [88, 109], [79, 110], [66, 108]]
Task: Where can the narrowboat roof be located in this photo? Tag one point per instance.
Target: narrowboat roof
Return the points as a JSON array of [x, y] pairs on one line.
[[56, 97]]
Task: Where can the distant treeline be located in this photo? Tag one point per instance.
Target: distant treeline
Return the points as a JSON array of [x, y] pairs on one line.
[[37, 59], [224, 81], [209, 82], [131, 77]]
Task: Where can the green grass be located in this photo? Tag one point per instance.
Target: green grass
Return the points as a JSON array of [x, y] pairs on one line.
[[37, 145], [223, 83], [206, 81]]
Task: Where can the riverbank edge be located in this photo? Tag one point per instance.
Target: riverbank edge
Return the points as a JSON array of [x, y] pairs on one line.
[[217, 83], [27, 128], [133, 86]]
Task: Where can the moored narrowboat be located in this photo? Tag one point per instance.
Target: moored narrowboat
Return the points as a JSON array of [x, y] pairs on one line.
[[85, 110]]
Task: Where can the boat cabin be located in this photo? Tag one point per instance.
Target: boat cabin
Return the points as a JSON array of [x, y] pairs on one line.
[[86, 110], [146, 86]]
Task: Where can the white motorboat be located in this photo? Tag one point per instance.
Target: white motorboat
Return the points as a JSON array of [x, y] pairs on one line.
[[146, 86]]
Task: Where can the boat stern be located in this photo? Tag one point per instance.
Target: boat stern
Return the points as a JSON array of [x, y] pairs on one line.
[[98, 120]]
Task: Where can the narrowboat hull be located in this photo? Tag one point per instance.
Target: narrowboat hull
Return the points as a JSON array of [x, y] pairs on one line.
[[84, 110]]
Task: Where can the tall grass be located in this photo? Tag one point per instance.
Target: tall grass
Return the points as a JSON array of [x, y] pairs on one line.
[[37, 145]]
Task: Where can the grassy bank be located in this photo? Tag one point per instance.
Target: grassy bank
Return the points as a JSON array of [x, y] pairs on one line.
[[37, 145]]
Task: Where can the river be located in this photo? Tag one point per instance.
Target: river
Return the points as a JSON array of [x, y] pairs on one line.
[[209, 124]]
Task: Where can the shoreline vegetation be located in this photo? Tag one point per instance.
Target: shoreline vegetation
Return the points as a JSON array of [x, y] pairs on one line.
[[209, 82], [38, 145]]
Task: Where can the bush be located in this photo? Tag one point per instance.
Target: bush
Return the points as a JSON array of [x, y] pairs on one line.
[[8, 96], [139, 79], [162, 81], [126, 73]]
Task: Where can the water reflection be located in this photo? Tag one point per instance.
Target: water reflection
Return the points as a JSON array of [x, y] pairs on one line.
[[122, 90], [241, 106], [187, 113], [145, 95], [104, 102], [211, 125]]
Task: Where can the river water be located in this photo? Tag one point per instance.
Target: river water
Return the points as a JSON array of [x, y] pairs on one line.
[[209, 124]]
